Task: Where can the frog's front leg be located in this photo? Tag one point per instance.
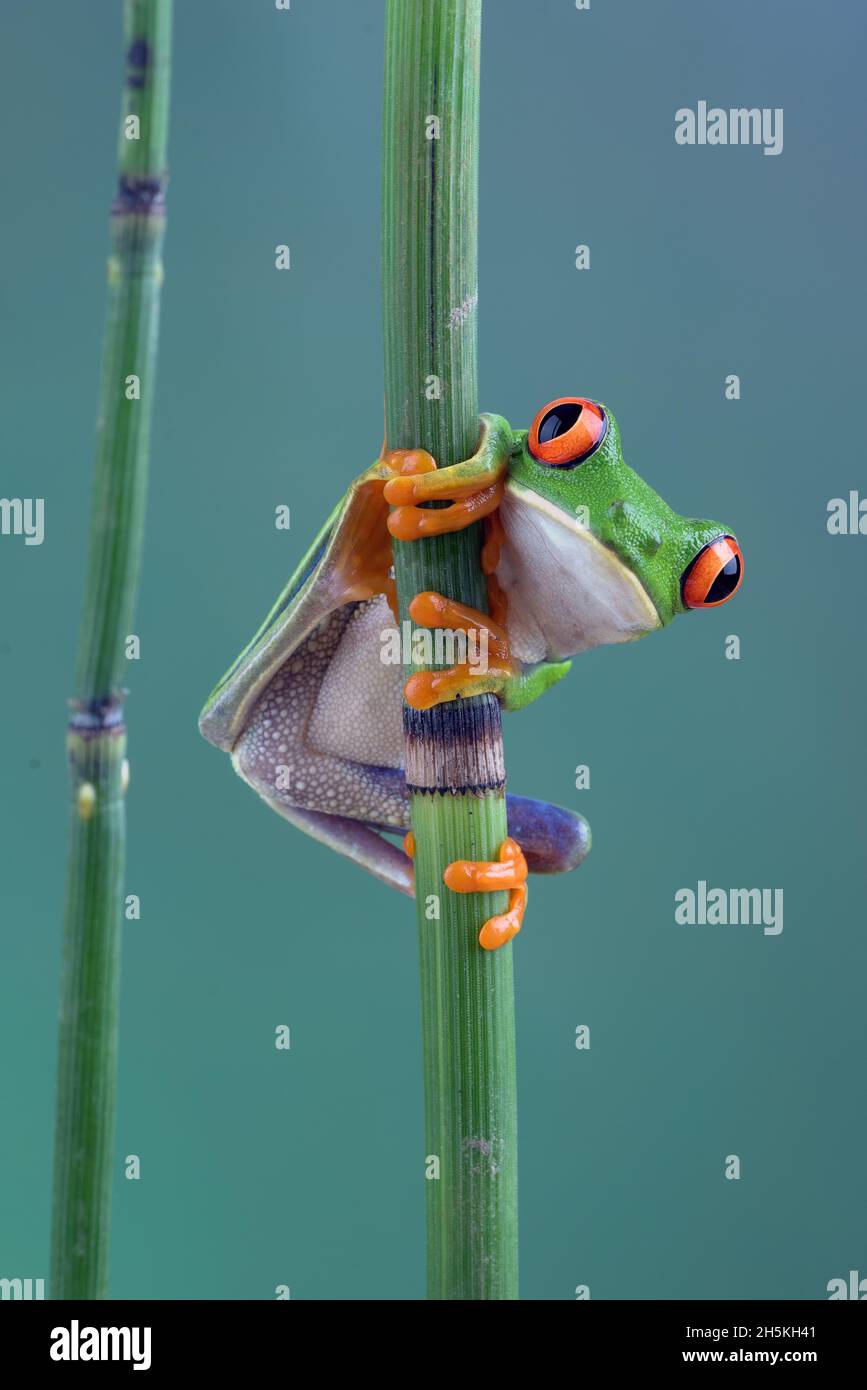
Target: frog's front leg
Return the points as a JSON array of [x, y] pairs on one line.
[[474, 488]]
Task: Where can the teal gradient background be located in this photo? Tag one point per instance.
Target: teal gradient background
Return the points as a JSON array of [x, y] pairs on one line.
[[261, 1168]]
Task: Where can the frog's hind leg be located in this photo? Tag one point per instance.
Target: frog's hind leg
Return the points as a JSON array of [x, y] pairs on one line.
[[553, 839], [361, 843], [323, 746]]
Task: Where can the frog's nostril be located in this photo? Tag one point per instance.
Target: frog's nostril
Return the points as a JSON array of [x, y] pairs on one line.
[[714, 575]]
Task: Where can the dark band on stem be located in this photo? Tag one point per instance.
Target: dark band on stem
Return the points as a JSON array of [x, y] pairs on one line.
[[88, 718], [455, 747], [142, 196], [138, 59]]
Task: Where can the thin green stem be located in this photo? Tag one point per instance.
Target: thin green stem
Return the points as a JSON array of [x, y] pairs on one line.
[[96, 743], [454, 752]]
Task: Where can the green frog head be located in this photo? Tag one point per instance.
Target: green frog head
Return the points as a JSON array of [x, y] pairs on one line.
[[593, 554]]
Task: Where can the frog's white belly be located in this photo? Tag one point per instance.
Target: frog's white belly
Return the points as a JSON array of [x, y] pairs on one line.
[[567, 591]]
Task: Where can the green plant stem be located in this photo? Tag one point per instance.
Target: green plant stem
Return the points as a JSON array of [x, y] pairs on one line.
[[454, 752], [96, 742]]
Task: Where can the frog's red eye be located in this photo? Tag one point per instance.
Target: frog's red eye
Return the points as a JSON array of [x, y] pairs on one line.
[[714, 575], [567, 431]]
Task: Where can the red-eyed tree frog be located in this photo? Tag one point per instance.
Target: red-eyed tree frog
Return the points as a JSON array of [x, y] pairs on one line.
[[579, 552]]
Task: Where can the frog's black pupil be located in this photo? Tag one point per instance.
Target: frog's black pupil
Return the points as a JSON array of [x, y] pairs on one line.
[[725, 582], [559, 420]]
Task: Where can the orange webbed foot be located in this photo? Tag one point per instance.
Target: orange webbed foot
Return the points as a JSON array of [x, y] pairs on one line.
[[491, 661], [509, 871], [408, 523], [472, 491]]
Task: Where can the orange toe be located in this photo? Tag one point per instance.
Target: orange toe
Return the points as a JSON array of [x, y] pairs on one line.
[[498, 931], [404, 465], [482, 876], [407, 523]]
